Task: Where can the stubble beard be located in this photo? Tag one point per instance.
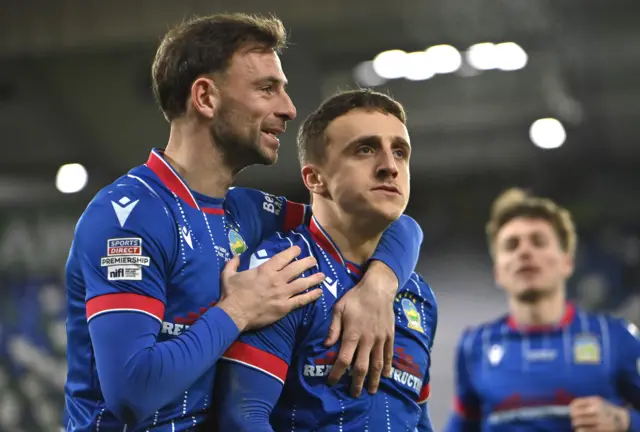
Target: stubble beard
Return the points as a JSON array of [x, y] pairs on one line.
[[238, 150]]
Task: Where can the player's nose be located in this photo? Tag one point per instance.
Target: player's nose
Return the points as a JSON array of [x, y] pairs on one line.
[[287, 110], [387, 163]]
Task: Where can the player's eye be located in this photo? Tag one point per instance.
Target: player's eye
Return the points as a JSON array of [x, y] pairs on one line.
[[364, 150], [400, 154], [270, 89], [511, 244], [539, 241]]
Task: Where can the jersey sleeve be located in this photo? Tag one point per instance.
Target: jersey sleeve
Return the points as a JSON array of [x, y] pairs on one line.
[[261, 214], [466, 405], [628, 350], [126, 244], [245, 398], [399, 247]]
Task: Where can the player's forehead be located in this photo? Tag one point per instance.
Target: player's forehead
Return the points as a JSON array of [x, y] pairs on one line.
[[252, 63], [525, 226], [360, 123]]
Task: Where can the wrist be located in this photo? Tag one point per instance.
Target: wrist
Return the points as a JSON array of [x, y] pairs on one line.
[[386, 281], [236, 313], [624, 419]]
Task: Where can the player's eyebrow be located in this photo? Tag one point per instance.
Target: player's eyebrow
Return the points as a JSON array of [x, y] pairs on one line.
[[273, 80], [401, 142], [375, 140], [372, 140]]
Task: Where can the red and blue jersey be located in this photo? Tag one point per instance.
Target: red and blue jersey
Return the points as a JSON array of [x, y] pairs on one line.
[[143, 278], [523, 379], [289, 363]]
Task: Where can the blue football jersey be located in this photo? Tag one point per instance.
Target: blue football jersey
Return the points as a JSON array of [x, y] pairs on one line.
[[523, 379], [149, 244], [292, 350]]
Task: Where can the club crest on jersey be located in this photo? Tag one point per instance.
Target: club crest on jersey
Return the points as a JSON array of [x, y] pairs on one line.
[[236, 242], [408, 304], [586, 349]]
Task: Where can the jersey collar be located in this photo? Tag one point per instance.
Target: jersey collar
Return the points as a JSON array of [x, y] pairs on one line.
[[172, 180], [567, 318], [323, 240]]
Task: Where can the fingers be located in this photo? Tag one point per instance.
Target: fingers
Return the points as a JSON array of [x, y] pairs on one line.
[[301, 284], [586, 421], [304, 299], [584, 413], [361, 367], [345, 356], [388, 355], [296, 268], [231, 267], [281, 259], [336, 326], [376, 364]]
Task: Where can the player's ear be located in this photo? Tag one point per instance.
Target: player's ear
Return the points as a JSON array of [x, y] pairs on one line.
[[568, 264], [313, 179], [204, 96]]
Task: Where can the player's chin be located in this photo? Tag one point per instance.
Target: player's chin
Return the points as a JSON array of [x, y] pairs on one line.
[[389, 211], [532, 293], [268, 155]]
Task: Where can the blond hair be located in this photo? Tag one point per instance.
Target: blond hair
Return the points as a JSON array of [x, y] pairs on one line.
[[516, 202]]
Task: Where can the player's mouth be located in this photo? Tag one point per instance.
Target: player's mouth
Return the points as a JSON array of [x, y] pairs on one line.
[[389, 189], [272, 135], [528, 270]]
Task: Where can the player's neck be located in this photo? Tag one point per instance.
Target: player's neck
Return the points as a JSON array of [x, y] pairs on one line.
[[355, 239], [199, 162], [546, 311]]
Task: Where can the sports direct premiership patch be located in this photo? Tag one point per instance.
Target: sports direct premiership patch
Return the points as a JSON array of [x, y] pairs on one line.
[[124, 246], [124, 253]]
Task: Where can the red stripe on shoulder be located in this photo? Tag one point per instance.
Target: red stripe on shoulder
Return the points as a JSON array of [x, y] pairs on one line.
[[424, 393], [213, 210], [248, 355], [293, 215], [125, 302]]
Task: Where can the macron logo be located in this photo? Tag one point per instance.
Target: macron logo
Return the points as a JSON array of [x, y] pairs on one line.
[[331, 285], [123, 209], [258, 258], [186, 235]]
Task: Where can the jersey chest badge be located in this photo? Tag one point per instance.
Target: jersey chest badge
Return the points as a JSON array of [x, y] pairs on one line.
[[586, 349], [408, 304], [236, 242]]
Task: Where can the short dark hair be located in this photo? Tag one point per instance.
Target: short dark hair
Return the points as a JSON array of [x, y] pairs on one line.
[[206, 45], [311, 136], [515, 202]]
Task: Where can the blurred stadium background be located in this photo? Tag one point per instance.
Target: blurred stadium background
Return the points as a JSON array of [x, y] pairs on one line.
[[474, 76]]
